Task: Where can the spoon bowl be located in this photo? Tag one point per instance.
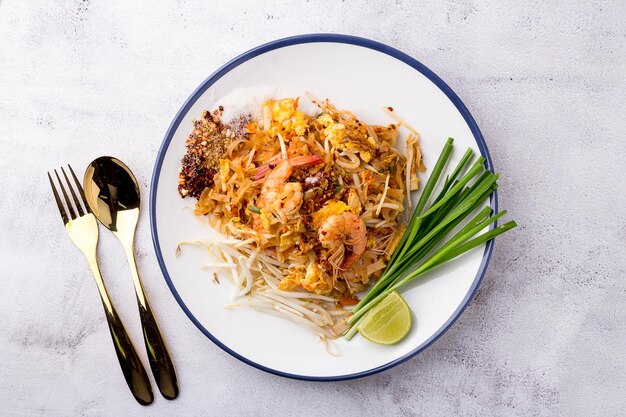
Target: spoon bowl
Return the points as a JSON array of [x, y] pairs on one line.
[[110, 187]]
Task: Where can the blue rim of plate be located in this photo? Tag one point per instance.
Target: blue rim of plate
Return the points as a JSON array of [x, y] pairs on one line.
[[302, 39]]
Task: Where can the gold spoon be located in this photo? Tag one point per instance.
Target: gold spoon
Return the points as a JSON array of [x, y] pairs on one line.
[[112, 192]]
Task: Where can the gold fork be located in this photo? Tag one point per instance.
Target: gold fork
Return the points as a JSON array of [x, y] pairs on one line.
[[83, 230]]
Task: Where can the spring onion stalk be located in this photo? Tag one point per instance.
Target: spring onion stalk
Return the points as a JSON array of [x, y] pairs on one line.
[[432, 180], [389, 277], [422, 248], [414, 224], [470, 244], [352, 331], [465, 159], [473, 227], [418, 256], [450, 253], [428, 228], [451, 179], [433, 220], [462, 209], [475, 170], [440, 257], [411, 234], [421, 242]]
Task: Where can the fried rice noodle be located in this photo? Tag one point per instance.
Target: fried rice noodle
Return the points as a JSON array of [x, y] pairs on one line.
[[311, 207]]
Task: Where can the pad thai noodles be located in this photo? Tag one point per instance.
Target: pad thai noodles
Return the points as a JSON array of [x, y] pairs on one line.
[[310, 205]]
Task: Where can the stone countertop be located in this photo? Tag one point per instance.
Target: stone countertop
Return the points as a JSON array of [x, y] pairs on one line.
[[546, 82]]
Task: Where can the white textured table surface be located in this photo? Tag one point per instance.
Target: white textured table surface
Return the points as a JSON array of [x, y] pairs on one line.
[[546, 82]]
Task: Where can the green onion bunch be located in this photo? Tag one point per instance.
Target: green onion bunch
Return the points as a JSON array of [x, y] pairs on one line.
[[462, 193]]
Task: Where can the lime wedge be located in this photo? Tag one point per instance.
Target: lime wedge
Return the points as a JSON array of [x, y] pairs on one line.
[[388, 322]]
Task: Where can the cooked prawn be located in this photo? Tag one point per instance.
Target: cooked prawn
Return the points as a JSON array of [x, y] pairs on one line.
[[279, 196], [344, 229]]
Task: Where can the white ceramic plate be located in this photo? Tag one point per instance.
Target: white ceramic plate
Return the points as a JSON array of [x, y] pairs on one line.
[[356, 74]]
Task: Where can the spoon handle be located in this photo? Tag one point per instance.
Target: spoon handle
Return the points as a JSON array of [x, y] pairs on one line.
[[158, 354], [132, 368]]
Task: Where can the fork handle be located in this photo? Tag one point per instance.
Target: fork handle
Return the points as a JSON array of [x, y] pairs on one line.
[[132, 368]]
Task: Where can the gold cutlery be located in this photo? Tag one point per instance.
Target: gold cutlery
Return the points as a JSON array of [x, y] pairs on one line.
[[112, 193], [83, 230]]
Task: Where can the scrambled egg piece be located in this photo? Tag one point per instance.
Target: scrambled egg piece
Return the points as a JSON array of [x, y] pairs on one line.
[[292, 235], [354, 202], [311, 278], [288, 239], [283, 117], [315, 281], [292, 279], [335, 132], [267, 219], [343, 140], [330, 208], [224, 171]]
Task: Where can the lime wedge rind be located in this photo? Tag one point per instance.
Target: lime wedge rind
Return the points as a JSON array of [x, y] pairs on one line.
[[388, 322]]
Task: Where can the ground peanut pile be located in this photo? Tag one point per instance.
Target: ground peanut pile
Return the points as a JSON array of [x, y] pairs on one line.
[[206, 144]]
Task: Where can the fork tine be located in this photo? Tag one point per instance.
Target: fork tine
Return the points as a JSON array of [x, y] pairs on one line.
[[58, 200], [69, 184], [67, 199], [80, 189]]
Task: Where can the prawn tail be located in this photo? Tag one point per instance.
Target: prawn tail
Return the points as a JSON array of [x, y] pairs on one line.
[[305, 160], [264, 169], [349, 261]]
